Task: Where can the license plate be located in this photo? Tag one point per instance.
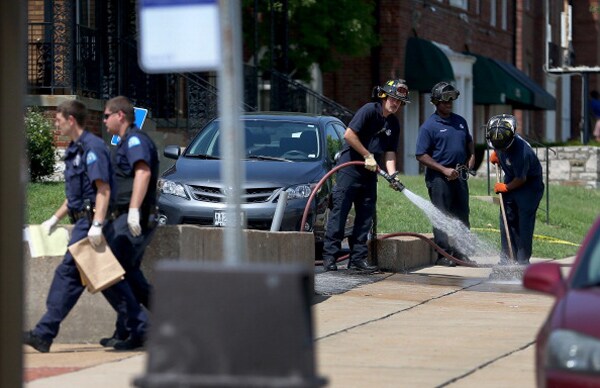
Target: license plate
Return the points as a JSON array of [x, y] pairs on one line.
[[220, 218]]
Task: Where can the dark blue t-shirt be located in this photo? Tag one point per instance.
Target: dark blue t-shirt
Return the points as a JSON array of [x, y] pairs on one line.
[[377, 133], [445, 140], [595, 105], [520, 161], [86, 160]]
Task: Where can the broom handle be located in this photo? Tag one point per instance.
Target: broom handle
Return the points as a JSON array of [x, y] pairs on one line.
[[506, 230]]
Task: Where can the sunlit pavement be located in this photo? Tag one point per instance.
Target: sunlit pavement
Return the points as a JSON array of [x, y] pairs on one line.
[[433, 327]]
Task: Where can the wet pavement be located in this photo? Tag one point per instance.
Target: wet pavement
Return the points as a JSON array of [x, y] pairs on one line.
[[434, 327]]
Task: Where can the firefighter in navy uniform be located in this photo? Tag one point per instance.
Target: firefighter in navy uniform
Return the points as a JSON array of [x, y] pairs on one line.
[[523, 185], [88, 190], [133, 204], [443, 144], [372, 134]]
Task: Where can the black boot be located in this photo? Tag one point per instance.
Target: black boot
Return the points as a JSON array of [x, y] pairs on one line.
[[362, 266], [329, 265], [36, 342]]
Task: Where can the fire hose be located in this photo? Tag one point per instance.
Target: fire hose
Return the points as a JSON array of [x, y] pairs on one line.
[[398, 186]]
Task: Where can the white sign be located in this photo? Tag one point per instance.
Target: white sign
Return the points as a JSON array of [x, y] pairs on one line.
[[178, 35]]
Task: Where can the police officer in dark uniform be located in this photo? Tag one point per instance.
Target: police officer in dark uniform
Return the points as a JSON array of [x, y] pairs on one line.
[[444, 143], [133, 205], [372, 134], [87, 186], [523, 185]]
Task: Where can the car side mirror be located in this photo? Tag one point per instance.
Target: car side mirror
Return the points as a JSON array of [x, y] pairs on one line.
[[336, 157], [546, 278], [172, 151]]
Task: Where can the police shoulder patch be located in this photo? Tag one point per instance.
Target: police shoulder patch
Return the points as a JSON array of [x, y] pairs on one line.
[[91, 158], [133, 142]]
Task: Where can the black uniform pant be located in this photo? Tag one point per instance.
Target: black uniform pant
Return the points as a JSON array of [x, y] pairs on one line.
[[348, 191], [66, 288], [452, 198], [520, 207], [129, 251]]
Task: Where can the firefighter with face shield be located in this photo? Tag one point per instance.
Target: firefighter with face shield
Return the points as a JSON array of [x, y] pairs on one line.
[[523, 185], [372, 136], [444, 145]]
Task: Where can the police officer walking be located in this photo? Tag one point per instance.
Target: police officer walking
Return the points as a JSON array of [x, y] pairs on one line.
[[133, 205], [373, 133], [88, 190], [522, 189], [444, 145]]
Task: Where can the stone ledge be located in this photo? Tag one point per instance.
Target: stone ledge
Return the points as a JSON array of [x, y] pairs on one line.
[[92, 318], [404, 253]]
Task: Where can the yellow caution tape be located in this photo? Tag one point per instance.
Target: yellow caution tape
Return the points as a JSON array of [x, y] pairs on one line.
[[552, 240]]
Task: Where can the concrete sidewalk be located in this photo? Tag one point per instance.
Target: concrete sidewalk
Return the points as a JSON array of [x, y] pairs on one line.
[[433, 327]]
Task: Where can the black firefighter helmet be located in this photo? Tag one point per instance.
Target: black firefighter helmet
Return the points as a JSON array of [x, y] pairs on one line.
[[500, 131], [443, 91], [395, 88]]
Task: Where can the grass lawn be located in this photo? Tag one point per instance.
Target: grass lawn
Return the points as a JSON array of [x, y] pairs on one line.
[[571, 212]]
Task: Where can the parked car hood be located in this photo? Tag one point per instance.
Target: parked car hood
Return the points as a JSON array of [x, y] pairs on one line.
[[194, 171], [580, 312]]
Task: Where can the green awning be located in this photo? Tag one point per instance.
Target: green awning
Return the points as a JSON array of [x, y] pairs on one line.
[[497, 82], [492, 86], [540, 98], [425, 65]]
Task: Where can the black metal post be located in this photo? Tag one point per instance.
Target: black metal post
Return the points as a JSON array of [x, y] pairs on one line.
[[547, 187], [585, 132]]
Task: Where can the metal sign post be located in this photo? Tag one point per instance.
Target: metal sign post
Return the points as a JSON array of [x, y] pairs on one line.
[[231, 90], [198, 35]]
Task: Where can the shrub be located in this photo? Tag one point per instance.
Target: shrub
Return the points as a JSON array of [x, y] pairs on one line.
[[41, 151]]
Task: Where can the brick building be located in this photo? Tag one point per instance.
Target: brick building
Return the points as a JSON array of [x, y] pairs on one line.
[[476, 36], [494, 51]]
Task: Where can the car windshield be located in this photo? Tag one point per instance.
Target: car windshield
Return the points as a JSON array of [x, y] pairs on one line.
[[588, 271], [264, 140]]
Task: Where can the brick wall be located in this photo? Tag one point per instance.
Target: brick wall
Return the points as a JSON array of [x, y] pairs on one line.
[[586, 43], [351, 84]]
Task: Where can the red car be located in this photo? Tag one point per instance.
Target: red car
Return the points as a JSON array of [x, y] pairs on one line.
[[568, 344]]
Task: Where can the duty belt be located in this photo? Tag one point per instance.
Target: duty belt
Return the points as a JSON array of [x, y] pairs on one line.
[[76, 215], [117, 211]]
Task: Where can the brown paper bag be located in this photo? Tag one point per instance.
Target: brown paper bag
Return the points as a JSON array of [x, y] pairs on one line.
[[98, 267]]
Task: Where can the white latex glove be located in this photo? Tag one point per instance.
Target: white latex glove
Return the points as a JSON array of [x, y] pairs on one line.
[[95, 235], [49, 224], [133, 222], [370, 163]]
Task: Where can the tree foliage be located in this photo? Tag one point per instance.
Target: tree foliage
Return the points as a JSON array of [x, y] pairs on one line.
[[318, 32], [41, 151]]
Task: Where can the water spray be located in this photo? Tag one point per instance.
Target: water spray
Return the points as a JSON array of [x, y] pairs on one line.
[[398, 186]]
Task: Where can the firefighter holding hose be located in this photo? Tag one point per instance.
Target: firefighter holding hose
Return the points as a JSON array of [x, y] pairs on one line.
[[445, 146], [522, 189], [372, 136]]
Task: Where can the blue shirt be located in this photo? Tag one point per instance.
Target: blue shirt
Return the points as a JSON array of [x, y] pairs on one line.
[[379, 134], [135, 146], [445, 140], [520, 161], [86, 160], [595, 105]]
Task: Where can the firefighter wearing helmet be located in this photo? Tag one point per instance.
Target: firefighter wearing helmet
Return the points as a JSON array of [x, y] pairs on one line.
[[445, 147], [523, 185], [371, 138]]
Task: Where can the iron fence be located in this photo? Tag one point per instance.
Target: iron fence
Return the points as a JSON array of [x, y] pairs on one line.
[[88, 64]]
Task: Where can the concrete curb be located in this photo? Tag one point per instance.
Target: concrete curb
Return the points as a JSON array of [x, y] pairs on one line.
[[93, 318]]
